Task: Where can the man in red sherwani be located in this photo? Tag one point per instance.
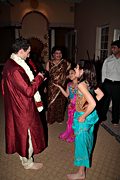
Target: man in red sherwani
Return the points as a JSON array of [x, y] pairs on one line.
[[22, 101]]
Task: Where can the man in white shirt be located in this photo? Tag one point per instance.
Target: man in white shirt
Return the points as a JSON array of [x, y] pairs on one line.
[[111, 83]]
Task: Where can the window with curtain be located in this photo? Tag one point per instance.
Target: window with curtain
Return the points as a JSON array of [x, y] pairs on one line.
[[104, 42], [102, 37]]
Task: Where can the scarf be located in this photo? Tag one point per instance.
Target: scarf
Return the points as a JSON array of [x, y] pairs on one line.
[[29, 73]]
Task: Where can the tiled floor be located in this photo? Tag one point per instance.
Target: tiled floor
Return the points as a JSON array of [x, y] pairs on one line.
[[58, 158], [113, 130]]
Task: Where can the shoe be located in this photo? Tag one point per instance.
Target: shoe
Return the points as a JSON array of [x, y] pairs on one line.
[[114, 124], [60, 123], [70, 140], [76, 176], [34, 166]]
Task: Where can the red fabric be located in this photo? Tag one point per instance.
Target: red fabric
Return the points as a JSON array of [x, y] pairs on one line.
[[33, 65], [20, 110], [39, 104]]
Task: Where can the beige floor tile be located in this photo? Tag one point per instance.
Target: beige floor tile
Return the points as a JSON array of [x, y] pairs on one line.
[[58, 158]]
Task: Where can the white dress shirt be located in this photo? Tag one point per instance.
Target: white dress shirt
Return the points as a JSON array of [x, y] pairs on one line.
[[111, 69]]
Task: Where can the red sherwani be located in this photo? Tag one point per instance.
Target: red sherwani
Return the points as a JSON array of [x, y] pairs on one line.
[[20, 110]]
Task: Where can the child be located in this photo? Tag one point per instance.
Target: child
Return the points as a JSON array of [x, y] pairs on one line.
[[70, 92], [84, 118]]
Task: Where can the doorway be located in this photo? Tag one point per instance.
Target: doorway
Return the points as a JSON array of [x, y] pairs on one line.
[[66, 38]]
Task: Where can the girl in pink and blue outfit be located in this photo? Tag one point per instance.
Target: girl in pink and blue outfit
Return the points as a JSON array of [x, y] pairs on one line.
[[68, 134]]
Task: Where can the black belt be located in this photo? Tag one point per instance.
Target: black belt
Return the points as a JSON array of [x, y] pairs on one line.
[[111, 81]]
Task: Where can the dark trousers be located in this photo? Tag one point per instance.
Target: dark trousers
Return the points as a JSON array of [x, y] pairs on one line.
[[44, 123], [111, 91]]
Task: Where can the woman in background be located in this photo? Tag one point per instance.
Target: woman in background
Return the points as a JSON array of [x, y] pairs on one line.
[[57, 68]]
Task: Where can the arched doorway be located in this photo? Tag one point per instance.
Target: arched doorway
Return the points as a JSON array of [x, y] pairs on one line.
[[34, 26]]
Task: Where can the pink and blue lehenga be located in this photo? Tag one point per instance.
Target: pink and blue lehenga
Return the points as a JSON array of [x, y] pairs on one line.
[[68, 134]]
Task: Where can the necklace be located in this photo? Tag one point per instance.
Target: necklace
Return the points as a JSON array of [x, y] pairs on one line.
[[73, 87]]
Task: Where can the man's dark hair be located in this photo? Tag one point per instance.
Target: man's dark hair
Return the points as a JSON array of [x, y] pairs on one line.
[[116, 43], [20, 43]]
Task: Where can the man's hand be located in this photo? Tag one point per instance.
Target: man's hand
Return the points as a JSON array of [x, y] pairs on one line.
[[40, 74]]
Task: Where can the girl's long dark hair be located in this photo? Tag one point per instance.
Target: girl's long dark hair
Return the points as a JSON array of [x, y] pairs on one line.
[[89, 74]]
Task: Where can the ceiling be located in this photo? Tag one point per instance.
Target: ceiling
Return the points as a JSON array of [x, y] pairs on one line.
[[12, 2]]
